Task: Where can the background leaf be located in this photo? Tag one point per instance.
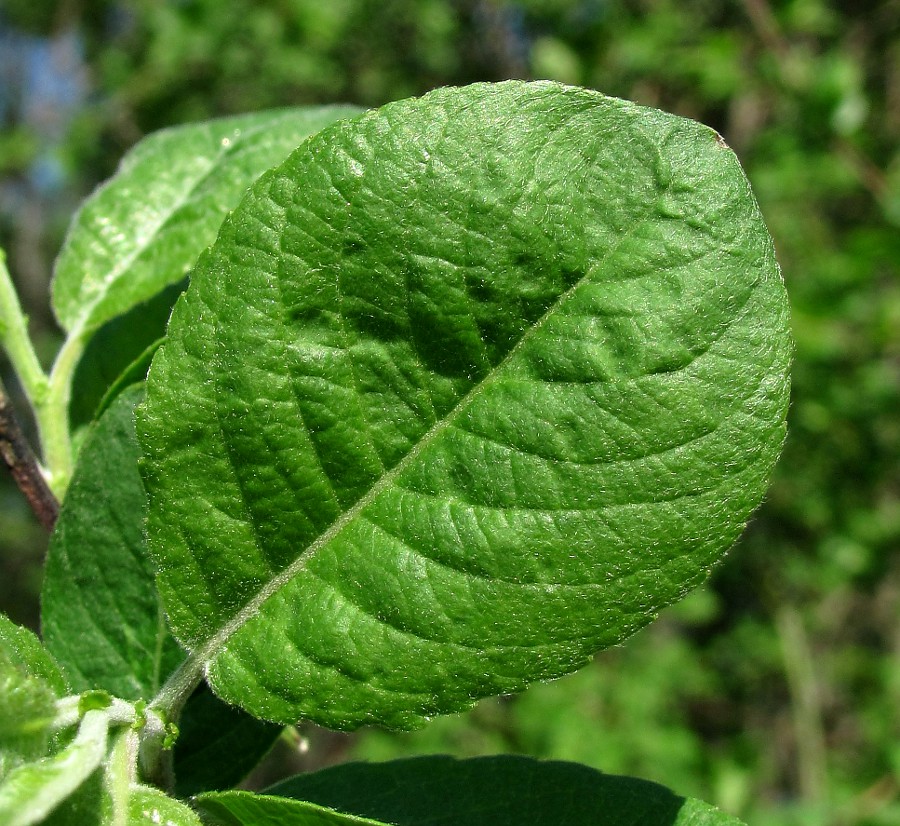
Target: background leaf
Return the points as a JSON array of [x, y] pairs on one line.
[[114, 349], [466, 389], [22, 651], [143, 229], [30, 684], [102, 617], [490, 791], [217, 744], [100, 612]]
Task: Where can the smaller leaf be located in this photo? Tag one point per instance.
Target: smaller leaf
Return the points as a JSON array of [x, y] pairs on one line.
[[144, 228], [248, 809], [31, 791], [22, 650], [100, 611], [494, 791], [30, 683], [150, 807]]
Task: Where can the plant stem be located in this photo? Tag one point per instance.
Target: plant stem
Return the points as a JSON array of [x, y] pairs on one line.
[[48, 396], [121, 774], [23, 465], [15, 340], [156, 761]]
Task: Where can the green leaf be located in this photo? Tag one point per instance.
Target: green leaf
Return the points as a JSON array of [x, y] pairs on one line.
[[442, 791], [21, 651], [149, 807], [144, 228], [467, 389], [31, 791], [101, 615], [30, 684], [217, 745]]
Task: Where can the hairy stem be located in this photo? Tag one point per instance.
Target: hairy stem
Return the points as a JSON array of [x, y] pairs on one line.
[[121, 774], [176, 690]]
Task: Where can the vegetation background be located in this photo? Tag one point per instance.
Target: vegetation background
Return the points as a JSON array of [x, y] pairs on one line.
[[774, 691]]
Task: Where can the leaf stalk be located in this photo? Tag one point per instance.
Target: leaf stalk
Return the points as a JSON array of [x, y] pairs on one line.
[[53, 418]]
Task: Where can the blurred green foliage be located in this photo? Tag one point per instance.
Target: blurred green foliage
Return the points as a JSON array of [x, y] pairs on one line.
[[774, 692]]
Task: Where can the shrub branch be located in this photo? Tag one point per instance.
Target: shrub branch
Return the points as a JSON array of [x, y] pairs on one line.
[[18, 456]]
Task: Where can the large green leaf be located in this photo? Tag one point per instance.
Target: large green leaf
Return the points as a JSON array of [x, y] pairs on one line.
[[100, 612], [144, 228], [442, 791], [30, 684], [467, 389]]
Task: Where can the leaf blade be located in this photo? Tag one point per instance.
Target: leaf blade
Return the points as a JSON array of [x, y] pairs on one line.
[[475, 437]]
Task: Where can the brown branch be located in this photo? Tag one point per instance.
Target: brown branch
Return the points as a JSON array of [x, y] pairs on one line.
[[18, 456]]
